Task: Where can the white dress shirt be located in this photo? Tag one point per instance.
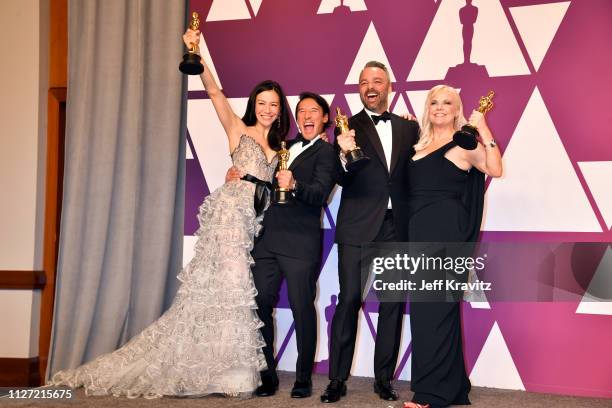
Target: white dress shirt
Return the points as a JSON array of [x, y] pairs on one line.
[[296, 149], [385, 134]]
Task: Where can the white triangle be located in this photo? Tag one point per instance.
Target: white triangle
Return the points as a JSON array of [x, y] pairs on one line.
[[194, 82], [598, 298], [405, 341], [538, 25], [333, 203], [283, 318], [400, 107], [329, 98], [189, 242], [188, 152], [417, 100], [598, 176], [255, 4], [593, 306], [292, 101], [492, 32], [354, 103], [495, 367], [223, 10], [539, 190], [209, 139], [363, 360], [328, 6], [327, 286], [371, 50], [356, 5], [443, 45], [406, 373], [480, 305]]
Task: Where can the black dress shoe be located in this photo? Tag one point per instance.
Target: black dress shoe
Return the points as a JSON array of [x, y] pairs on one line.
[[385, 391], [334, 391], [301, 389], [267, 388]]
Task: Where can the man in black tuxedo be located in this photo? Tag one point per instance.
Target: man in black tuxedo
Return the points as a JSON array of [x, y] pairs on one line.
[[290, 245], [370, 211]]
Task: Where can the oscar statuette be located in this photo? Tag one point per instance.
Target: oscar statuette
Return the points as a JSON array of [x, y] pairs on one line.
[[466, 137], [191, 64], [282, 195], [356, 158]]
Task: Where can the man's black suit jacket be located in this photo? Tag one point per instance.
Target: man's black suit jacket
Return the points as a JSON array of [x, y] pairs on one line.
[[294, 229], [366, 192]]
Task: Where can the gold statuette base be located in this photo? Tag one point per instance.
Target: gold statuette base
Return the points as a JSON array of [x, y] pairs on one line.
[[356, 160], [281, 196], [191, 64]]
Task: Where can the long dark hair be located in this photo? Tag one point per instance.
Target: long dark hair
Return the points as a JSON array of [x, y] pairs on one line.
[[279, 128]]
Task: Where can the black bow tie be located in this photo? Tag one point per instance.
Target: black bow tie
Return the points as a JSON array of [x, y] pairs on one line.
[[300, 138], [385, 116]]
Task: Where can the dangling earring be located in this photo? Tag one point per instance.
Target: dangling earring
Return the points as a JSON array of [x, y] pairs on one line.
[[278, 123]]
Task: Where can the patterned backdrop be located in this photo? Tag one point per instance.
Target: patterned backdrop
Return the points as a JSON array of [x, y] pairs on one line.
[[549, 63]]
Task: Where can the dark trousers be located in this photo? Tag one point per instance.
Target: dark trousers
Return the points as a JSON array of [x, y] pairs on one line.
[[301, 278], [344, 323]]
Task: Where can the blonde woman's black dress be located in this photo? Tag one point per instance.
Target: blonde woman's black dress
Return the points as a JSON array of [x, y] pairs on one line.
[[445, 205]]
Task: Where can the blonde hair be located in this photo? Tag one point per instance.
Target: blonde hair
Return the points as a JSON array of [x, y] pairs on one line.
[[426, 133]]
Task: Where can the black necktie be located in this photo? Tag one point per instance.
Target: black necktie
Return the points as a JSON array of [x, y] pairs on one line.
[[385, 116], [300, 138]]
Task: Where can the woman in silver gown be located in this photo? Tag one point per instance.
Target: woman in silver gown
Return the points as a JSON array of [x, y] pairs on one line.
[[208, 341]]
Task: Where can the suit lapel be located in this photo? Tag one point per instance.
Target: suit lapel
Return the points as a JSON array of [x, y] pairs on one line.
[[372, 135], [306, 153], [397, 145]]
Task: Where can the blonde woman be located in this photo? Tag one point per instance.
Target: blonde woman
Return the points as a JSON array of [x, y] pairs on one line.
[[446, 191]]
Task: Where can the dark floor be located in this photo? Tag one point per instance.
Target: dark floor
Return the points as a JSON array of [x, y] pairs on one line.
[[360, 394]]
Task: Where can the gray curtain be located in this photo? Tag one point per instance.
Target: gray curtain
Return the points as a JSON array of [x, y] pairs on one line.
[[122, 216]]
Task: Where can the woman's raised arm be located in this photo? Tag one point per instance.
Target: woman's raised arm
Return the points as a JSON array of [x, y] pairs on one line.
[[232, 124]]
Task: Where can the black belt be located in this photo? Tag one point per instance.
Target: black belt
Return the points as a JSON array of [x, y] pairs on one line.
[[261, 198]]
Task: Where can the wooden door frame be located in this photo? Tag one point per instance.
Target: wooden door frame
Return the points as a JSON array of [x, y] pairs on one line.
[[56, 124]]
